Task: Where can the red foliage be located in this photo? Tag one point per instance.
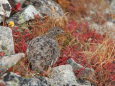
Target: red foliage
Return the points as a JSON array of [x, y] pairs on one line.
[[21, 38], [81, 32], [17, 7], [83, 35]]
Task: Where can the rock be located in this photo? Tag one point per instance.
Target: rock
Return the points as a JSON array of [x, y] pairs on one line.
[[113, 5], [5, 9], [6, 40], [74, 65], [12, 79], [2, 83], [107, 28], [48, 7], [63, 76], [60, 76], [112, 10], [25, 15], [85, 73], [8, 61]]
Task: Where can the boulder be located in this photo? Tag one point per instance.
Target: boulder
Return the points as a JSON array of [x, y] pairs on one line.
[[63, 76], [6, 40], [12, 79], [8, 61], [48, 7], [5, 9], [26, 14], [60, 76]]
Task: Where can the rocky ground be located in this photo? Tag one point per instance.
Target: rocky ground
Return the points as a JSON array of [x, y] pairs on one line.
[[87, 47]]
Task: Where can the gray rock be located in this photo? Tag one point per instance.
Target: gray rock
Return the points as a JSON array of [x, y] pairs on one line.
[[12, 79], [74, 65], [63, 76], [85, 73], [107, 28], [43, 51], [60, 76], [6, 40], [112, 11], [5, 9], [113, 5], [25, 15], [48, 7], [8, 61]]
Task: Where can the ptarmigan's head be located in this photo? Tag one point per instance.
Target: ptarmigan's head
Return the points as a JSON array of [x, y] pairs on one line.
[[52, 33]]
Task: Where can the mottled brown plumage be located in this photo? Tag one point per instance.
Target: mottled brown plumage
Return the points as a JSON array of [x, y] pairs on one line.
[[44, 51]]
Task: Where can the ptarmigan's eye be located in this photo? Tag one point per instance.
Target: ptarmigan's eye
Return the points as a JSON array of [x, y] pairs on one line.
[[58, 30]]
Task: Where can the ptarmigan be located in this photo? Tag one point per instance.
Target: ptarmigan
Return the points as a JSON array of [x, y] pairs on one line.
[[43, 51]]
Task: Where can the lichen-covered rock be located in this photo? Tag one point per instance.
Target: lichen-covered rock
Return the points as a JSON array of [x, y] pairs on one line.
[[48, 7], [8, 61], [5, 9], [6, 40], [85, 72], [63, 76], [12, 79], [60, 76], [26, 14]]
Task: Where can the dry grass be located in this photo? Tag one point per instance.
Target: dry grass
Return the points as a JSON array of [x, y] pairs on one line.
[[86, 8], [102, 60], [39, 27]]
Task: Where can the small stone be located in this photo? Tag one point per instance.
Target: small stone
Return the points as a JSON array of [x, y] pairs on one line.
[[74, 65], [6, 40], [8, 61], [25, 15], [85, 73], [5, 9]]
